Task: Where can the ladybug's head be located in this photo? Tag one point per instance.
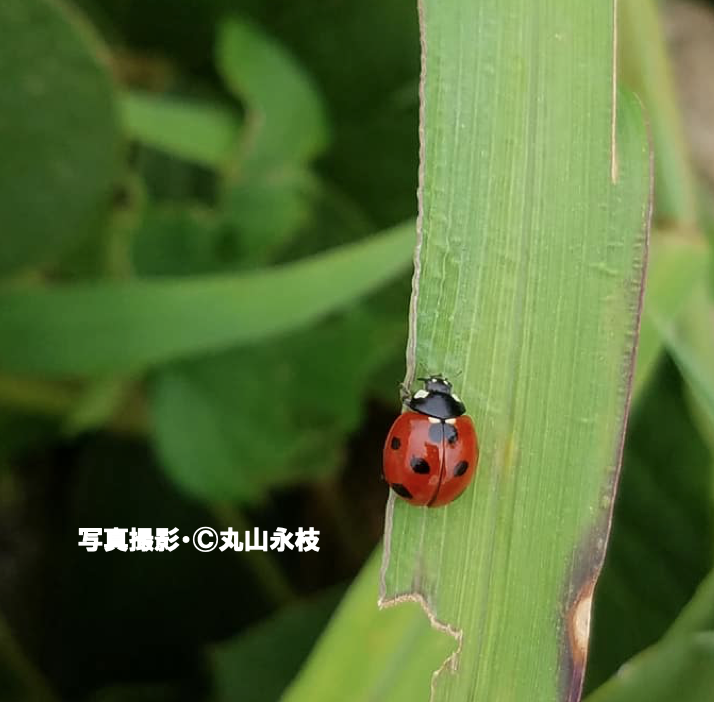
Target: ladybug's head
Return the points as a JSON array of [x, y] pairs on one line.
[[436, 383], [437, 399]]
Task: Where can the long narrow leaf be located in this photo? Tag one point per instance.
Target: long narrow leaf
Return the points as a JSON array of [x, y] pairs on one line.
[[372, 655], [680, 666], [677, 267], [681, 670], [531, 265], [111, 327]]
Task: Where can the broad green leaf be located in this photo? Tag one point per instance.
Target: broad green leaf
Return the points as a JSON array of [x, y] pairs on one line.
[[94, 329], [59, 131], [367, 654], [286, 121], [201, 132], [229, 426]]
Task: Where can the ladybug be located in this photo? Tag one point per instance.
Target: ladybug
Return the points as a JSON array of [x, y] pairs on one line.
[[431, 451]]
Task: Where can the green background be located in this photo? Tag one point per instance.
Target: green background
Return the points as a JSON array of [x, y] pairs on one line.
[[206, 227]]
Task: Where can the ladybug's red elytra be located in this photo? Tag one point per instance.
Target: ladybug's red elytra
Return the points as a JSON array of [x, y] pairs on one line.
[[431, 451]]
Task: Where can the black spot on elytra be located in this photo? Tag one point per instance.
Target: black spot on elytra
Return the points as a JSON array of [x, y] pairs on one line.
[[461, 468], [396, 443], [401, 490], [450, 434], [419, 465]]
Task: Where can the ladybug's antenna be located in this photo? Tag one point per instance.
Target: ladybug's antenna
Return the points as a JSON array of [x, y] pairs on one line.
[[432, 376], [436, 383]]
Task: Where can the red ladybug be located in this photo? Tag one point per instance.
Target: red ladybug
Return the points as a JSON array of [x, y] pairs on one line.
[[431, 451]]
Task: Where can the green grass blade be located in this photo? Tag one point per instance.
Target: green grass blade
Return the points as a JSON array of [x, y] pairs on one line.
[[681, 670], [660, 548], [104, 328], [677, 266], [255, 665], [680, 666], [690, 342], [528, 292], [203, 133], [645, 68], [369, 654], [698, 615]]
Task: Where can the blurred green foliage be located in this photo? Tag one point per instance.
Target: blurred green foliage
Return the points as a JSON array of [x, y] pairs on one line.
[[60, 133], [201, 183], [182, 343]]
